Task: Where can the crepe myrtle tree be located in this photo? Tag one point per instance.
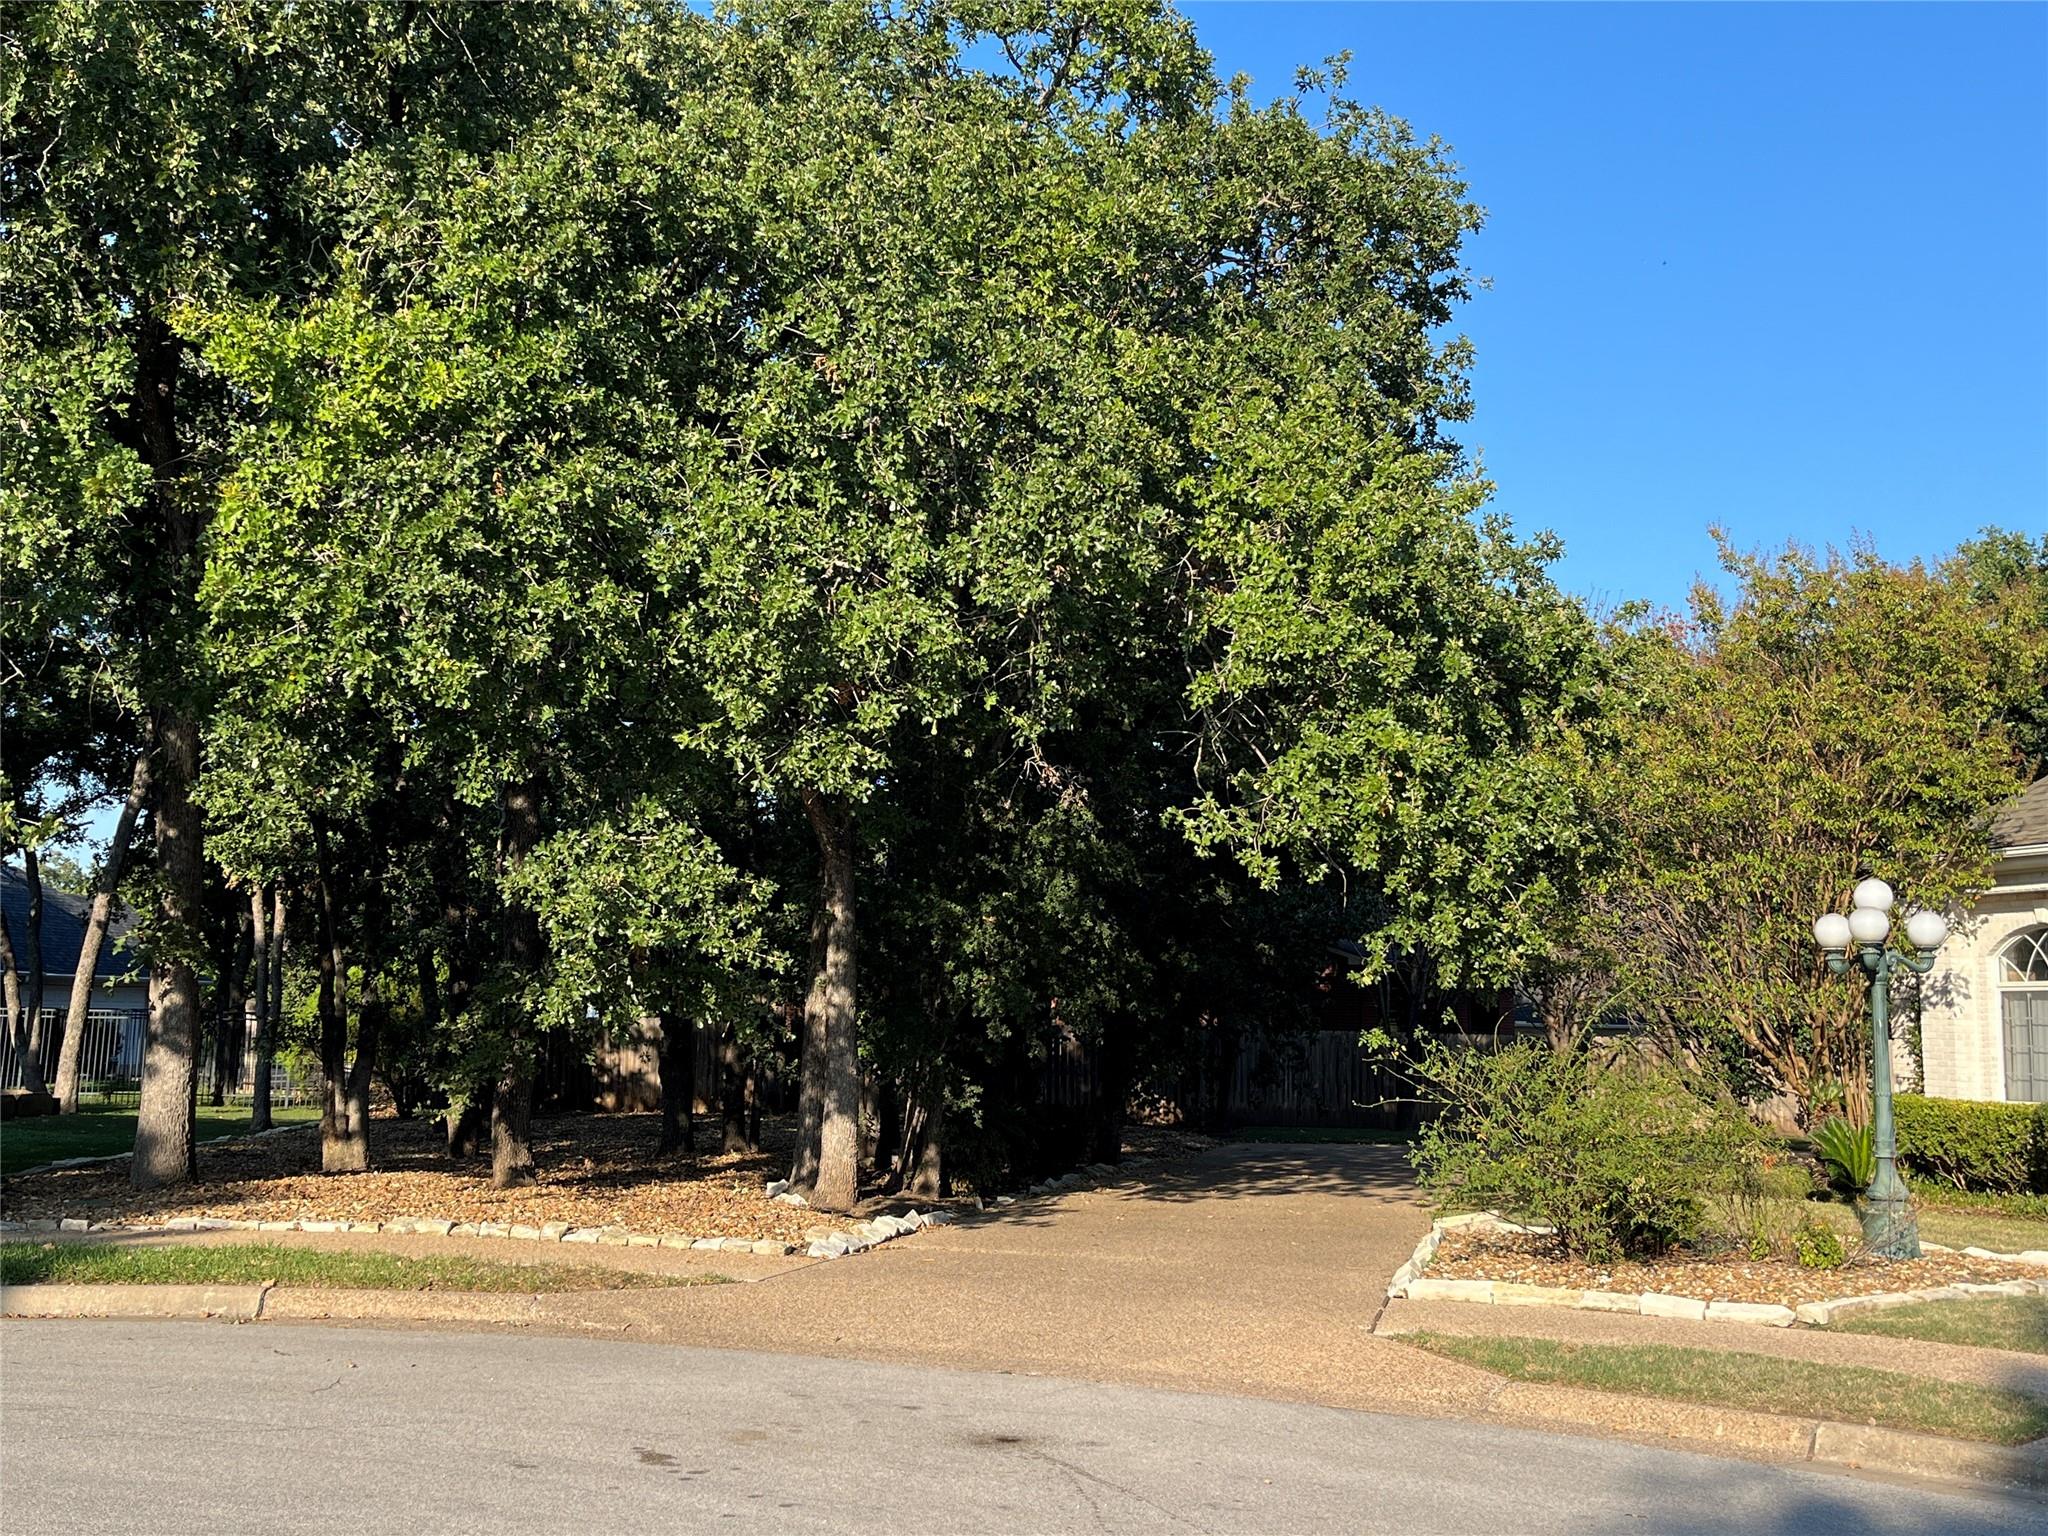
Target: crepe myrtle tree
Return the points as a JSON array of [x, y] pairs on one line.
[[1837, 712]]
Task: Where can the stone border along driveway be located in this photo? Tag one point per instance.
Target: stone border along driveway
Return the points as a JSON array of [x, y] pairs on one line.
[[1408, 1283], [834, 1245], [871, 1233]]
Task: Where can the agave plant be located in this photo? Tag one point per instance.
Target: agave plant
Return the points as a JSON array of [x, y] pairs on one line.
[[1850, 1151]]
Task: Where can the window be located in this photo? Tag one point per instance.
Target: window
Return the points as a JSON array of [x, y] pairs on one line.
[[2023, 1001], [2024, 962]]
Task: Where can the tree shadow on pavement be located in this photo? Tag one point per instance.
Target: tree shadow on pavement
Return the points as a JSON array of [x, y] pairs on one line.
[[1725, 1500], [1250, 1170]]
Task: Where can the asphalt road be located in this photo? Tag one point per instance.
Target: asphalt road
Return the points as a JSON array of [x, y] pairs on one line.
[[206, 1427]]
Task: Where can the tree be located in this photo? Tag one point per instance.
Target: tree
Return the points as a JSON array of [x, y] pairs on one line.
[[1839, 716], [439, 554], [265, 123], [599, 453], [2006, 575]]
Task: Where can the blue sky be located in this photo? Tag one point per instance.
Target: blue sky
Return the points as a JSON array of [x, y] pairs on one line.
[[1783, 268]]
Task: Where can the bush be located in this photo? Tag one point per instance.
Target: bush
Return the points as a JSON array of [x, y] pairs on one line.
[[1818, 1245], [1990, 1148], [1753, 1203], [1619, 1154]]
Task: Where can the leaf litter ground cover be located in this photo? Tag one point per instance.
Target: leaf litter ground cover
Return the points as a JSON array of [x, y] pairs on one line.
[[1529, 1260], [593, 1171]]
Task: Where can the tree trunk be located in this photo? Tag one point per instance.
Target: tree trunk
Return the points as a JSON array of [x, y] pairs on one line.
[[886, 1100], [259, 954], [273, 1020], [356, 1097], [827, 1169], [923, 1169], [678, 1083], [164, 1149], [32, 1000], [512, 1104], [17, 1018], [732, 1093], [810, 1047], [344, 1104], [231, 1034], [1112, 1093], [465, 1126], [70, 1054]]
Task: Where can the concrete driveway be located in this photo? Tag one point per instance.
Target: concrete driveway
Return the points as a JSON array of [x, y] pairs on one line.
[[1254, 1269]]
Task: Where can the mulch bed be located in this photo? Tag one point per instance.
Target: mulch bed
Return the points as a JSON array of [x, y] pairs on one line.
[[594, 1171], [1530, 1260]]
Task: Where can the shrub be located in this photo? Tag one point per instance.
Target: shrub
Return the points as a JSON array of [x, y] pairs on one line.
[[1618, 1153], [1753, 1204], [1818, 1245], [1850, 1152], [1990, 1148]]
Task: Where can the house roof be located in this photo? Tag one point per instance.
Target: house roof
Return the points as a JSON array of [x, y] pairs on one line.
[[2022, 822], [64, 917]]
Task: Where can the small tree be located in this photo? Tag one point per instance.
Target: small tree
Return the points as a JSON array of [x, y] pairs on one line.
[[1839, 716]]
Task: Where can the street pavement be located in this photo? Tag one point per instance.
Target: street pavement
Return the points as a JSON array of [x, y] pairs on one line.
[[218, 1429]]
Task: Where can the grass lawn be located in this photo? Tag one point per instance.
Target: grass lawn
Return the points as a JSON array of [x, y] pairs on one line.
[[254, 1263], [1305, 1134], [98, 1132], [1759, 1382], [1972, 1226], [1998, 1322]]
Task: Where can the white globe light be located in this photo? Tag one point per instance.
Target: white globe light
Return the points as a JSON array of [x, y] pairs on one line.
[[1926, 930], [1831, 931], [1874, 895], [1869, 925]]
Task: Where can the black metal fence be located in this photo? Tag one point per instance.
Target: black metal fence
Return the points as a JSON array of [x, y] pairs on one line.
[[110, 1062]]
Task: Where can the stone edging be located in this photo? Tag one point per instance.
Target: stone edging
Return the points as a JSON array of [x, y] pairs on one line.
[[862, 1235], [1408, 1283]]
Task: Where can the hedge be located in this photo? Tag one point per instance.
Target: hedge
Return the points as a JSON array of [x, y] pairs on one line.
[[1992, 1148]]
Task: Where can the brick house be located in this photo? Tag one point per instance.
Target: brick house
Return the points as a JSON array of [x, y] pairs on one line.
[[1984, 1008]]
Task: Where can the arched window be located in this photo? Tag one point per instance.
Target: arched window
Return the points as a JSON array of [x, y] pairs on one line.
[[2023, 1002]]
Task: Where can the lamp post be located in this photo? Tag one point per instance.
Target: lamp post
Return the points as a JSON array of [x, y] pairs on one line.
[[1889, 1228]]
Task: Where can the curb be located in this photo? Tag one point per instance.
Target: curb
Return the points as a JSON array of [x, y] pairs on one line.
[[268, 1303], [1823, 1442], [229, 1303]]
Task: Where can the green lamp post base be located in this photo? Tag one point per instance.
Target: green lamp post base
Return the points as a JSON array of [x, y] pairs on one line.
[[1890, 1229]]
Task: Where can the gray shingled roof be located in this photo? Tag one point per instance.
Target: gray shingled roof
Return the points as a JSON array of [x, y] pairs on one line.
[[64, 918], [2022, 822]]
